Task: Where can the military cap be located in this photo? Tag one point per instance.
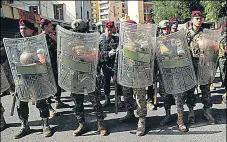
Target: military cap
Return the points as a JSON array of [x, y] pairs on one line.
[[28, 24], [197, 14], [45, 22], [109, 24], [131, 21], [164, 24]]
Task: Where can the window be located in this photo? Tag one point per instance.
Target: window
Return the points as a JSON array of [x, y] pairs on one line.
[[93, 4], [33, 9], [58, 11]]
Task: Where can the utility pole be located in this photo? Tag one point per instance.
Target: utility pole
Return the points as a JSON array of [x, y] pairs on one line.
[[39, 7], [82, 5]]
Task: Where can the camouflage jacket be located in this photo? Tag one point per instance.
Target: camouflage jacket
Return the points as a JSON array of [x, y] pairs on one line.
[[105, 45], [192, 37], [223, 44]]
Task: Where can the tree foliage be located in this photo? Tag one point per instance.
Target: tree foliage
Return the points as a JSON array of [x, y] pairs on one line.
[[181, 9]]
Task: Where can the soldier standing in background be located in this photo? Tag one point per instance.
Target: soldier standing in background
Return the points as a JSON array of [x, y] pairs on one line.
[[47, 28], [108, 45]]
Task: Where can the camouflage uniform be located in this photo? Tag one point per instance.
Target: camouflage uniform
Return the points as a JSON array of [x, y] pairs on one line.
[[107, 62], [221, 59], [192, 36], [78, 99], [2, 119], [81, 27], [223, 45]]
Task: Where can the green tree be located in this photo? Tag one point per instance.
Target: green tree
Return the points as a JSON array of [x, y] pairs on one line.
[[164, 10], [213, 10]]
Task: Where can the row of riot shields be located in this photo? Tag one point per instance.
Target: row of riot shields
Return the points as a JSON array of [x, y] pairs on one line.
[[139, 46], [78, 55]]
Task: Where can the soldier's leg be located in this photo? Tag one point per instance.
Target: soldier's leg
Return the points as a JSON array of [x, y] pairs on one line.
[[119, 94], [99, 113], [167, 98], [2, 119], [150, 97], [206, 100], [23, 111], [129, 104], [43, 107], [141, 101], [107, 77], [180, 100], [78, 109], [191, 102], [52, 111], [57, 97], [168, 101]]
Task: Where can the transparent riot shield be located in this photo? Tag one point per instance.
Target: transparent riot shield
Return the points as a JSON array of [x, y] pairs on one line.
[[175, 64], [77, 60], [4, 81], [31, 67], [136, 55], [208, 45]]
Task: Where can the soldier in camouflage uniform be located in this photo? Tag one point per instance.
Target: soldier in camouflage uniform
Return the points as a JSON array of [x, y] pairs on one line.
[[223, 47], [28, 29], [108, 44], [47, 28], [173, 24], [164, 26], [193, 34], [170, 98], [81, 26], [140, 96]]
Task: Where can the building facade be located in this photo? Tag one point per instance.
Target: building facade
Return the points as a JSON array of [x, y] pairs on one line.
[[94, 11], [139, 11], [63, 11]]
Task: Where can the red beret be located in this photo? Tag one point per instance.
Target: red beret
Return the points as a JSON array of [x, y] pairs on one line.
[[110, 23], [26, 23], [224, 25], [131, 21], [197, 14], [148, 20], [44, 21], [172, 19]]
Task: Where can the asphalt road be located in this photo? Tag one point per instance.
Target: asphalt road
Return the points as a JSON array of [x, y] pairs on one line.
[[65, 122]]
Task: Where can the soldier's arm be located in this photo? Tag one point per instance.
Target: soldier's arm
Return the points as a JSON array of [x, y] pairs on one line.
[[102, 49]]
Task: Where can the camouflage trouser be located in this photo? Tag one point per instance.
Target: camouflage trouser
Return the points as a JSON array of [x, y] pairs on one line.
[[23, 110], [220, 64], [167, 98], [128, 98], [140, 95], [205, 89], [180, 101], [79, 106]]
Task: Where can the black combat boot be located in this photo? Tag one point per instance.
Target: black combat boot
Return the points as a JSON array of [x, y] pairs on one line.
[[46, 128], [81, 129], [166, 120], [208, 116], [180, 122], [101, 127], [107, 101], [141, 127], [191, 116], [128, 117], [23, 130]]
